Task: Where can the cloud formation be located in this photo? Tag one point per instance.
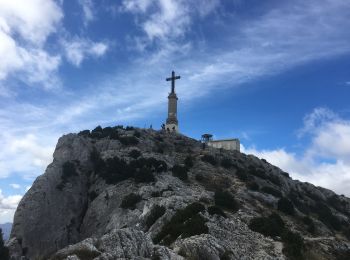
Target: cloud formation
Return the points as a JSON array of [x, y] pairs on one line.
[[326, 160], [8, 206]]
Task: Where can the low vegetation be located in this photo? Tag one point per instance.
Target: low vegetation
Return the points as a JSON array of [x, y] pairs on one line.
[[130, 201], [272, 191], [189, 162], [156, 212], [180, 172], [68, 171], [226, 200], [226, 163], [214, 210], [4, 252], [286, 206], [274, 226], [186, 222], [209, 159]]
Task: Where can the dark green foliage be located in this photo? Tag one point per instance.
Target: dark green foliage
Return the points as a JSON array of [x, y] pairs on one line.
[[310, 224], [144, 175], [293, 245], [199, 177], [68, 171], [298, 202], [92, 195], [212, 210], [195, 226], [272, 225], [226, 200], [97, 132], [180, 172], [271, 191], [114, 170], [258, 172], [326, 216], [85, 133], [209, 159], [286, 206], [135, 154], [129, 128], [156, 212], [252, 185], [4, 252], [337, 203], [189, 162], [226, 163], [128, 140], [114, 135], [241, 174], [96, 160], [130, 201], [137, 134], [180, 222]]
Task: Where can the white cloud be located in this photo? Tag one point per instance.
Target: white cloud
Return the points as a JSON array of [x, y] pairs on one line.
[[325, 162], [88, 12], [15, 185], [79, 49], [24, 28], [8, 206]]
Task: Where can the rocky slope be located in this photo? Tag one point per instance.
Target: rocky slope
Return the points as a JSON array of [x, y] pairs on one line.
[[126, 193]]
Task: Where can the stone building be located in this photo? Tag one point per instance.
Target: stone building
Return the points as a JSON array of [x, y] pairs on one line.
[[227, 144]]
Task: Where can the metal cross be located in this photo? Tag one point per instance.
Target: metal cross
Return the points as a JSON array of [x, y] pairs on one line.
[[173, 78]]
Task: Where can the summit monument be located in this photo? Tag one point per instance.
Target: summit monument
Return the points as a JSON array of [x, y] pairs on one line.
[[172, 124]]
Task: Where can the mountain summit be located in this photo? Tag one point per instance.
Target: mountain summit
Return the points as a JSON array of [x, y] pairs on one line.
[[130, 193]]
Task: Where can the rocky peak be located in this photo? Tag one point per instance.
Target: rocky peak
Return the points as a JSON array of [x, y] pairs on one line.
[[130, 193]]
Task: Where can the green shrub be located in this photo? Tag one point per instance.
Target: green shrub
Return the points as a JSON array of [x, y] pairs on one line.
[[195, 226], [115, 170], [85, 133], [97, 132], [96, 160], [92, 195], [310, 224], [226, 199], [272, 225], [178, 224], [156, 212], [68, 171], [209, 159], [130, 201], [135, 154], [252, 185], [286, 206], [137, 134], [4, 252], [271, 191], [188, 162], [129, 128], [214, 210], [326, 216], [128, 140], [144, 175], [226, 163], [241, 174], [293, 245], [180, 172], [258, 172]]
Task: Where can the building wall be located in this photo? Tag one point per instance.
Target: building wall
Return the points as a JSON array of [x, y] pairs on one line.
[[229, 144]]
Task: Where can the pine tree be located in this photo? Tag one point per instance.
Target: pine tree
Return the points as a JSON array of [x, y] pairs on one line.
[[4, 252]]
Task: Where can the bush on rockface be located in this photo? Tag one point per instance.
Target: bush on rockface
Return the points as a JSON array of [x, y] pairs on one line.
[[272, 191], [68, 171], [274, 226], [286, 206], [214, 210], [226, 163], [130, 201], [252, 185], [180, 172], [226, 200], [326, 216], [4, 252], [209, 159], [188, 162], [180, 224], [271, 226], [144, 174], [310, 224], [156, 212], [128, 140], [134, 154]]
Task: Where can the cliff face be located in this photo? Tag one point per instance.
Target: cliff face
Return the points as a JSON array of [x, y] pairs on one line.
[[118, 193]]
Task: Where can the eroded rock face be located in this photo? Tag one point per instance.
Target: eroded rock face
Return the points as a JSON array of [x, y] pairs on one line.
[[78, 210]]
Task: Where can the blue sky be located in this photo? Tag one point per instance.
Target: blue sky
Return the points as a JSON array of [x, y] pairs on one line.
[[273, 73]]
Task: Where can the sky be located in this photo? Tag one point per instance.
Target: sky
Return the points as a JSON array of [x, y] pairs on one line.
[[275, 74]]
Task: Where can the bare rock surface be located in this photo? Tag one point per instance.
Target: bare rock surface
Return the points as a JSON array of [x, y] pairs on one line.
[[127, 193]]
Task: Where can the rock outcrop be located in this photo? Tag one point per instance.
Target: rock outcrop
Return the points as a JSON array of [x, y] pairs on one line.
[[127, 193]]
